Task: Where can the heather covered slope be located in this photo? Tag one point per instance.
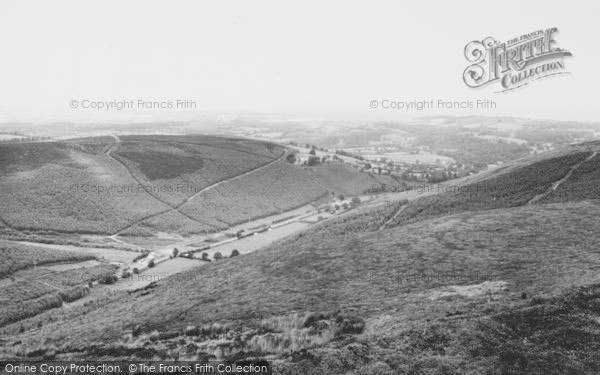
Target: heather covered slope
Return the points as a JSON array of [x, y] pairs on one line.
[[101, 185], [418, 290], [143, 185], [496, 282]]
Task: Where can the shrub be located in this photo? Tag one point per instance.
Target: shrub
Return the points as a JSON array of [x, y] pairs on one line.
[[151, 263], [313, 160], [108, 279], [234, 253], [136, 271], [141, 256], [218, 256]]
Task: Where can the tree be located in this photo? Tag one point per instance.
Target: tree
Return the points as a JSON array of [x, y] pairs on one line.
[[218, 256], [367, 165], [313, 160], [175, 252], [234, 253], [136, 271], [205, 257], [341, 197], [313, 152], [356, 200], [151, 263]]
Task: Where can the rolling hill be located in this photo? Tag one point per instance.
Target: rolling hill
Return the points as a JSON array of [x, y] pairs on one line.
[[142, 185], [499, 277]]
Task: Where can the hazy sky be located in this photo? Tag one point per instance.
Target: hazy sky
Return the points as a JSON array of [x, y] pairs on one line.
[[306, 56]]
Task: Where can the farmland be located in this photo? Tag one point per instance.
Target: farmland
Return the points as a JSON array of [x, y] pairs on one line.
[[34, 279]]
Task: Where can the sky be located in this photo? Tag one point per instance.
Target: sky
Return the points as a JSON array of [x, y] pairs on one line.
[[280, 56]]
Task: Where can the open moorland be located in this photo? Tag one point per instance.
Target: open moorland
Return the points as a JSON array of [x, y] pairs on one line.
[[495, 274]]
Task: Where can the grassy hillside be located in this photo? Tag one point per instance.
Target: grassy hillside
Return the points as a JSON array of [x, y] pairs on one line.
[[414, 278], [140, 185], [175, 168], [510, 189], [474, 281], [55, 186], [582, 184], [99, 185]]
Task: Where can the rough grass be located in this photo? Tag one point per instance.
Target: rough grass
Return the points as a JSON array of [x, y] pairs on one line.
[[67, 187], [369, 275], [511, 189]]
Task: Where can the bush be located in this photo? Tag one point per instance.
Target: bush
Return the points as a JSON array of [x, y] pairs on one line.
[[141, 256], [313, 160], [218, 256], [136, 271], [108, 279], [151, 263], [234, 253]]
